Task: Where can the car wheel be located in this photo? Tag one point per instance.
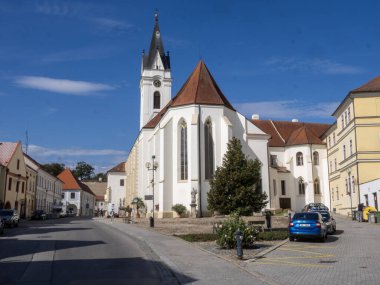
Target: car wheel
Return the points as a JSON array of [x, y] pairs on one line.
[[291, 238], [334, 229], [16, 224], [323, 239]]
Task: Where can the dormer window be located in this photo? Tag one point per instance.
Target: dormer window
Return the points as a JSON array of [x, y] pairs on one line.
[[156, 100]]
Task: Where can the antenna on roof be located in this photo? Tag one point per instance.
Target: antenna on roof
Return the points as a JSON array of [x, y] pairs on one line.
[[26, 141]]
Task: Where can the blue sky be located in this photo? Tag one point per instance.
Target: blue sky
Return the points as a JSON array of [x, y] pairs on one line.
[[70, 70]]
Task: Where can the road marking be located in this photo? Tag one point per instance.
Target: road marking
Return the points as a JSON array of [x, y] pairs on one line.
[[298, 264]]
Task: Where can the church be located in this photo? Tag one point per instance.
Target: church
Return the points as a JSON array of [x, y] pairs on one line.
[[183, 139]]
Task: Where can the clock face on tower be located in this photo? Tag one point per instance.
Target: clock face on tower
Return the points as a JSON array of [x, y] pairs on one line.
[[157, 83]]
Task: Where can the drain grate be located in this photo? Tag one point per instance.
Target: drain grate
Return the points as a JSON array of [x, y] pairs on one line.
[[363, 267], [328, 261]]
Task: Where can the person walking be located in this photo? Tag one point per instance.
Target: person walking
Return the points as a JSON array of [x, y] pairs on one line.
[[112, 214]]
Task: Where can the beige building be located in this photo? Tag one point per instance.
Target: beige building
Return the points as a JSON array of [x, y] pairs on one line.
[[31, 186], [131, 175], [14, 181], [353, 145]]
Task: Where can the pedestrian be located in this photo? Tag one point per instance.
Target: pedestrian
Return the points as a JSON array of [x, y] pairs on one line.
[[360, 212], [112, 215], [101, 213]]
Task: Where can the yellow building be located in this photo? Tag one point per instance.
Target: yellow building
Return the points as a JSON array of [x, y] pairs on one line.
[[353, 145], [14, 186]]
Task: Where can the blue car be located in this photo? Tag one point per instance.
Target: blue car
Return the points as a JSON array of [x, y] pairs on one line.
[[307, 225]]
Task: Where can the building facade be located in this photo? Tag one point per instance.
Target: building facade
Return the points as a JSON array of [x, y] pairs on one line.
[[297, 163], [12, 160], [116, 188], [354, 146]]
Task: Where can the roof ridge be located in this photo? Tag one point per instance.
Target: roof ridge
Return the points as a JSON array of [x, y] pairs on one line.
[[277, 131]]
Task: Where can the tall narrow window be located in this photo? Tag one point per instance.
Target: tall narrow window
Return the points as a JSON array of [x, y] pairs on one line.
[[353, 184], [283, 187], [17, 186], [331, 169], [329, 142], [316, 158], [337, 193], [334, 138], [347, 192], [18, 164], [183, 151], [350, 147], [332, 194], [301, 186], [209, 150], [317, 188], [349, 114], [345, 118], [344, 152], [156, 100], [342, 121], [10, 183], [336, 164], [299, 158]]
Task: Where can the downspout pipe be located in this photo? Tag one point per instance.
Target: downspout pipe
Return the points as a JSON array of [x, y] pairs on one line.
[[199, 165]]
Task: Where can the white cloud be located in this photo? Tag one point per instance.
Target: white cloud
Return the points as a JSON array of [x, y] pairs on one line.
[[55, 8], [112, 24], [64, 86], [42, 151], [287, 109], [312, 65]]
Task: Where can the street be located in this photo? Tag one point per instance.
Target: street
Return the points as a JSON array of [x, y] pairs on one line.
[[75, 251]]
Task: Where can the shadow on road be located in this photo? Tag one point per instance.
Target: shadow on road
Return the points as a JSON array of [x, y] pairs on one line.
[[118, 271]]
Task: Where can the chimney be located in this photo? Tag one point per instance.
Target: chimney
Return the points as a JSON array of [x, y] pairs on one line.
[[255, 117], [294, 120]]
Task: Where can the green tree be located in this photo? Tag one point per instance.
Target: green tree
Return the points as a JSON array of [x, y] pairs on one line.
[[53, 168], [101, 177], [236, 185], [83, 171]]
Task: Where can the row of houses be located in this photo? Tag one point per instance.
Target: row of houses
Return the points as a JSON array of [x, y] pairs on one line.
[[26, 186]]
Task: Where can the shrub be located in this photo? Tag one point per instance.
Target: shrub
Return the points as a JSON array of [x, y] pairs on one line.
[[179, 209], [198, 237], [273, 235], [226, 233]]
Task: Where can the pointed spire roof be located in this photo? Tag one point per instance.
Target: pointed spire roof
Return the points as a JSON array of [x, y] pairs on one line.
[[156, 45], [200, 88]]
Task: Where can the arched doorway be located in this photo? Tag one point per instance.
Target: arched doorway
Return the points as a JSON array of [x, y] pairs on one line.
[[72, 210], [7, 205]]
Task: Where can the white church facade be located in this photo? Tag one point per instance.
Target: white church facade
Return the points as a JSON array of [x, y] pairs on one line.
[[188, 134]]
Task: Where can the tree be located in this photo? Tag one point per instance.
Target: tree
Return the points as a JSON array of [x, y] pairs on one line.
[[236, 185], [53, 168], [101, 177], [83, 171]]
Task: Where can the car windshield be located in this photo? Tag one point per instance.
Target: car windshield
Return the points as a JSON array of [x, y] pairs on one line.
[[305, 216], [6, 213]]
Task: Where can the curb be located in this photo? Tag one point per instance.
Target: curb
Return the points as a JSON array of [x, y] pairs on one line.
[[265, 252]]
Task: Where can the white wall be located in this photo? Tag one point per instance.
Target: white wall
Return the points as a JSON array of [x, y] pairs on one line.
[[369, 189], [116, 191]]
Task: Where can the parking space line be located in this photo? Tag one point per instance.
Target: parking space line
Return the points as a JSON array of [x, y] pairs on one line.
[[302, 257], [288, 263]]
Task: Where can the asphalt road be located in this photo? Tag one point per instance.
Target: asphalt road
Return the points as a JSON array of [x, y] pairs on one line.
[[74, 251]]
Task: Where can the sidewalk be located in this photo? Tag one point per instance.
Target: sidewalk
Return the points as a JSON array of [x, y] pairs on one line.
[[188, 263]]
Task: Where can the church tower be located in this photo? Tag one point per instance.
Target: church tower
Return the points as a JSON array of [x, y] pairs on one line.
[[156, 80]]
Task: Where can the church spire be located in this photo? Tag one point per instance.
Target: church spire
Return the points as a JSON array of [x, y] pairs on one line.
[[156, 45]]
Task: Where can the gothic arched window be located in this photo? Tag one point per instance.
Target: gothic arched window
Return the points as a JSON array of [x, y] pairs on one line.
[[209, 150], [299, 159], [183, 151], [317, 188], [301, 186], [156, 100], [316, 158]]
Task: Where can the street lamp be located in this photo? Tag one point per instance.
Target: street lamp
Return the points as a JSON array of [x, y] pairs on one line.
[[152, 167]]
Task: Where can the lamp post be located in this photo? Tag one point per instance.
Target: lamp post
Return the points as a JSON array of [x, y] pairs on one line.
[[152, 167], [350, 190]]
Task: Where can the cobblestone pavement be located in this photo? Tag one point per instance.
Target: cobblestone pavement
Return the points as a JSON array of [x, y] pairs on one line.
[[351, 256]]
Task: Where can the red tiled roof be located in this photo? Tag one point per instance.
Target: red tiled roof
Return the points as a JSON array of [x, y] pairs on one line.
[[70, 182], [371, 86], [200, 88], [99, 197], [7, 149], [292, 133], [118, 168]]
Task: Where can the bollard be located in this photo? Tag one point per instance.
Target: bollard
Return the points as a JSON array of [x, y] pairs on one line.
[[151, 222], [239, 243]]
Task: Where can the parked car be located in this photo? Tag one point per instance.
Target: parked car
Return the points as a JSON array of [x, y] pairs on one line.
[[10, 217], [329, 221], [38, 215], [315, 207], [307, 225], [1, 226]]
